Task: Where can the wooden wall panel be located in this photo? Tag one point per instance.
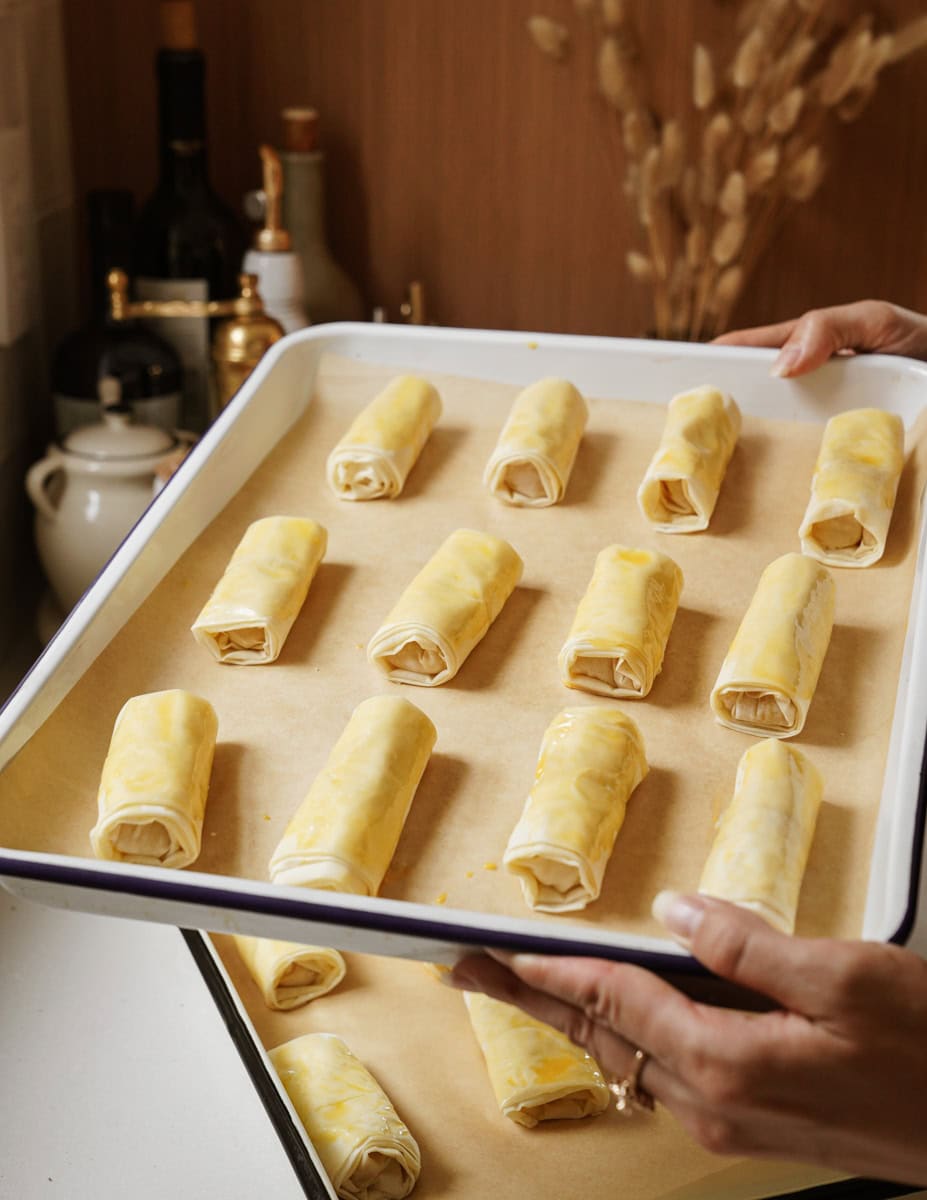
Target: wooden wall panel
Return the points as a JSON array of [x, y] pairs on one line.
[[460, 155]]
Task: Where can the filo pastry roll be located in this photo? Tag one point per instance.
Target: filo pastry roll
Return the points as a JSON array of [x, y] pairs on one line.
[[446, 609], [534, 456], [853, 489], [253, 606], [343, 835], [152, 796], [363, 1143], [767, 680], [373, 459], [619, 634], [536, 1072], [760, 850], [289, 974], [591, 761], [680, 488]]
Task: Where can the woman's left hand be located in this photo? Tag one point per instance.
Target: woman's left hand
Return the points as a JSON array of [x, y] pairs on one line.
[[836, 1076]]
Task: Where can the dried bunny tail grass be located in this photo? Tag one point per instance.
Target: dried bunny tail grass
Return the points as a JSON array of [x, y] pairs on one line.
[[879, 56], [804, 174], [550, 37], [614, 14], [649, 185], [845, 68], [672, 153], [749, 59], [748, 14], [908, 39], [762, 167], [696, 246], [733, 198], [632, 182], [616, 80], [754, 112], [728, 287], [770, 14], [852, 107], [728, 241], [688, 194], [637, 132], [640, 266], [785, 112], [703, 78], [716, 133]]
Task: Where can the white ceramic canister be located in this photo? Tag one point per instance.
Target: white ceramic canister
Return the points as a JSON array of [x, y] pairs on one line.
[[88, 492]]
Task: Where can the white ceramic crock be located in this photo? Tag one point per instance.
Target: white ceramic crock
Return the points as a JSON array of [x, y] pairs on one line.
[[88, 492]]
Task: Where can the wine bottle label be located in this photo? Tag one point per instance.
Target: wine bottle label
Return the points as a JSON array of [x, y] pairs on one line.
[[73, 412], [189, 337]]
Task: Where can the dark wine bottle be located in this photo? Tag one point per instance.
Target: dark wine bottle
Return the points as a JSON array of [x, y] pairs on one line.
[[188, 243], [146, 367]]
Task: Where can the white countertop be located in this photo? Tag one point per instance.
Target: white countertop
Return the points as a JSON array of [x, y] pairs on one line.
[[119, 1078]]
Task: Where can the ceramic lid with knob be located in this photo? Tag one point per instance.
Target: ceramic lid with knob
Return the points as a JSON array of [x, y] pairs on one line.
[[116, 436]]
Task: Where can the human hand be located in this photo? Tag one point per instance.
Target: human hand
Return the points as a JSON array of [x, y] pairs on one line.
[[810, 340], [837, 1076]]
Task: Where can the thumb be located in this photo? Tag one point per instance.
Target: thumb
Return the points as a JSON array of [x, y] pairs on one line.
[[743, 948]]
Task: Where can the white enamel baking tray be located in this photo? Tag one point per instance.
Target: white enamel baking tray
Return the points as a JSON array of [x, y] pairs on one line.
[[271, 400]]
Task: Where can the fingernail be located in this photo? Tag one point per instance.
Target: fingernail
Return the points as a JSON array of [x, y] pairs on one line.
[[788, 359], [515, 962], [681, 915]]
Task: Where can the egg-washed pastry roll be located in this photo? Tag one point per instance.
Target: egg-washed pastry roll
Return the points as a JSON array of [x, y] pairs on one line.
[[446, 609], [619, 634], [681, 486], [853, 489], [768, 678], [534, 456], [758, 856], [364, 1145], [289, 974], [591, 761], [373, 459], [343, 835], [152, 796], [253, 606], [536, 1072]]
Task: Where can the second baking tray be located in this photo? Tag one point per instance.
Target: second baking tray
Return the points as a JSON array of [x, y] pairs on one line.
[[130, 634]]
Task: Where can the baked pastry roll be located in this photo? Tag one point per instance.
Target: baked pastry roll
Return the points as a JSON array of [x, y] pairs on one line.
[[364, 1146], [853, 489], [768, 678], [289, 974], [253, 606], [761, 846], [591, 761], [536, 1072], [619, 634], [343, 835], [446, 609], [534, 456], [681, 486], [152, 795], [373, 459]]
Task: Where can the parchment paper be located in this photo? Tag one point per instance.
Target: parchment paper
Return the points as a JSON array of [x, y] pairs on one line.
[[413, 1034], [277, 723]]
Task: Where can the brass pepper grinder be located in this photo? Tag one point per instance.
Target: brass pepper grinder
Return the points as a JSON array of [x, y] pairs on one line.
[[239, 343]]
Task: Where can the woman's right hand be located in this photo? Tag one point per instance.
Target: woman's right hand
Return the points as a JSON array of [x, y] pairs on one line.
[[808, 341]]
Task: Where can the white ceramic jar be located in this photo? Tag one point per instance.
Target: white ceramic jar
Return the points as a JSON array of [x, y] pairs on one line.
[[88, 492]]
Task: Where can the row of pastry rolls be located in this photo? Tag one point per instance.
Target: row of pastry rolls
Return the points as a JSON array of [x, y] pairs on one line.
[[845, 524]]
